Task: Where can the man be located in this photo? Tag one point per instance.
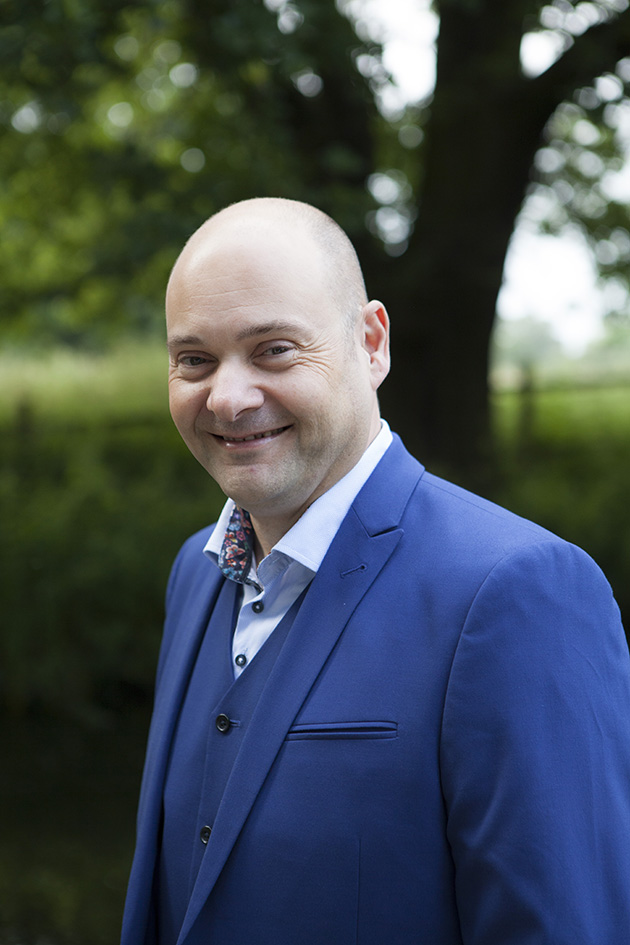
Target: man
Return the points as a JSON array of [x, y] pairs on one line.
[[387, 711]]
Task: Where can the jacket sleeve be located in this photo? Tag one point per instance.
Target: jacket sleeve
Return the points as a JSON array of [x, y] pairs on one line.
[[535, 756]]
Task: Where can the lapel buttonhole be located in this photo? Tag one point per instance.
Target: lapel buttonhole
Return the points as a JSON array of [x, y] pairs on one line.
[[360, 567]]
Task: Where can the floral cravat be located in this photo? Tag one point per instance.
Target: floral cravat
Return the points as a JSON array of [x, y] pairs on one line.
[[235, 557]]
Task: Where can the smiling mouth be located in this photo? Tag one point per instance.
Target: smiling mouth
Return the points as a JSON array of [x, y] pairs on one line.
[[252, 436]]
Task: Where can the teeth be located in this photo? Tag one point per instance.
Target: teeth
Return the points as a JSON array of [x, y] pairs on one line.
[[254, 436]]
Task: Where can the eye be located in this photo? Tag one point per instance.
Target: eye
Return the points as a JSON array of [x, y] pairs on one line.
[[277, 349], [193, 365]]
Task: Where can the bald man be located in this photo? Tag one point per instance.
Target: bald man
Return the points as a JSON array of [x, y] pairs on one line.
[[387, 711]]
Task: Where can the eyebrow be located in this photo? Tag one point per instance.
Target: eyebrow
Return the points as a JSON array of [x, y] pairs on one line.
[[253, 331], [177, 341], [266, 329]]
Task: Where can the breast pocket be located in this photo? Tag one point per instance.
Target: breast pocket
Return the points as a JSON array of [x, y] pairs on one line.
[[341, 730]]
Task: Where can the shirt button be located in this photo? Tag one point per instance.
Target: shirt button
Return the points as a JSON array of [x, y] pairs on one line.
[[222, 723], [258, 607], [204, 834], [241, 659]]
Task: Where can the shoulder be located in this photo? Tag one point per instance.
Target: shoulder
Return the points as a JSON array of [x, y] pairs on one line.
[[192, 582], [452, 510], [526, 588], [431, 509], [192, 549], [196, 542], [190, 561], [453, 540]]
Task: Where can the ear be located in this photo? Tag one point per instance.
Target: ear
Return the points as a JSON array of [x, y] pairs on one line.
[[375, 340]]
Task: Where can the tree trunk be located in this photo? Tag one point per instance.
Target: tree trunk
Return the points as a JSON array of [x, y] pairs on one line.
[[480, 147]]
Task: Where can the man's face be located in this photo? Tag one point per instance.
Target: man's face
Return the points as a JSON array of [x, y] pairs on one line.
[[268, 387]]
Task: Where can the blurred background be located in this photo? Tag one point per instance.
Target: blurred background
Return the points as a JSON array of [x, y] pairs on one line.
[[478, 154]]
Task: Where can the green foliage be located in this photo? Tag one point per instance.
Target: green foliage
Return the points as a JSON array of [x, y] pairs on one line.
[[93, 510], [127, 124], [68, 797]]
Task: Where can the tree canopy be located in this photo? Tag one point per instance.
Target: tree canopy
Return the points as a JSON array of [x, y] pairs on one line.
[[126, 123]]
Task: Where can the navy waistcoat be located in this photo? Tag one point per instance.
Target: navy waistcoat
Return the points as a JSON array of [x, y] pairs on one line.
[[209, 731]]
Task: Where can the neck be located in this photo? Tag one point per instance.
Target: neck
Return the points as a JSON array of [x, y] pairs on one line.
[[266, 534]]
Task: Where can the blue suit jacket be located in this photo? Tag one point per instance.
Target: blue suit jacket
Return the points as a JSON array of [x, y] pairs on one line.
[[441, 753]]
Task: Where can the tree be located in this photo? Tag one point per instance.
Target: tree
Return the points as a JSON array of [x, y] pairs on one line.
[[486, 124], [129, 122]]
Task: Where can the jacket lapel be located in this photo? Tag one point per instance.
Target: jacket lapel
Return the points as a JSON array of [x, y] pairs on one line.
[[364, 543]]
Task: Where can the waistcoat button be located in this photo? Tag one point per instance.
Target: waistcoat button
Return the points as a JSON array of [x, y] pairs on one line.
[[204, 834], [222, 723]]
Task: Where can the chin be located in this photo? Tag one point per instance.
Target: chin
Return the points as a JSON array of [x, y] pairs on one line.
[[246, 498]]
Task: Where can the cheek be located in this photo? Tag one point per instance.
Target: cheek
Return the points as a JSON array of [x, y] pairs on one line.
[[175, 403], [315, 392], [185, 404]]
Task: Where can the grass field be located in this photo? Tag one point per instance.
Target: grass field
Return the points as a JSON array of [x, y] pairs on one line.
[[557, 417], [62, 384]]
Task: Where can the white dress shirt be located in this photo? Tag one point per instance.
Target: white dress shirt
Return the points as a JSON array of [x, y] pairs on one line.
[[294, 560]]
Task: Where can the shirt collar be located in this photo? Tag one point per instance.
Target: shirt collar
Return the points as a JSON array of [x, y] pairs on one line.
[[309, 539]]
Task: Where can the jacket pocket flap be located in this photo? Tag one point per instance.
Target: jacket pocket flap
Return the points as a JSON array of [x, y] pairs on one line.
[[343, 730]]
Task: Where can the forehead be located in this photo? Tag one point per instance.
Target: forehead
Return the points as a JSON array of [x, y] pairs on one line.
[[241, 282]]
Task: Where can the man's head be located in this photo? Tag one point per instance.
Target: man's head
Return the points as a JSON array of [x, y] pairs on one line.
[[275, 356]]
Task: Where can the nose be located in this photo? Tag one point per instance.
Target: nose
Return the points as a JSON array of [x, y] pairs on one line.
[[233, 391]]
